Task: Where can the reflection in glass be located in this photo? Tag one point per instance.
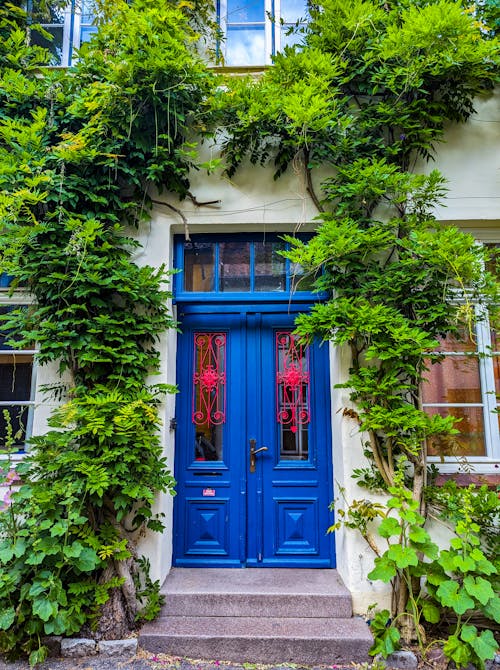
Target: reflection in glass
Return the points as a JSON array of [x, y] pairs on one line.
[[54, 46], [245, 11], [270, 267], [293, 10], [209, 395], [234, 266], [199, 266], [245, 45], [469, 441], [453, 380], [292, 396], [15, 385], [465, 341], [299, 280]]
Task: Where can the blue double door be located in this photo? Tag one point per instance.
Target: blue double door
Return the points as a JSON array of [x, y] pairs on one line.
[[253, 444]]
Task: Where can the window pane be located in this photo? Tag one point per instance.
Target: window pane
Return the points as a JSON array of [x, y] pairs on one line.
[[245, 45], [54, 46], [293, 10], [453, 380], [17, 421], [298, 280], [234, 266], [243, 11], [270, 267], [289, 39], [464, 342], [86, 33], [15, 376], [209, 395], [496, 372], [199, 266], [470, 441], [292, 396]]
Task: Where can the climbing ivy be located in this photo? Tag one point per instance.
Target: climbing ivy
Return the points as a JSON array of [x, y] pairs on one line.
[[81, 150], [367, 93]]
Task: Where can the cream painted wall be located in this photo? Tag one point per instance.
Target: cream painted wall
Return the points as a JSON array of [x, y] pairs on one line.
[[252, 200]]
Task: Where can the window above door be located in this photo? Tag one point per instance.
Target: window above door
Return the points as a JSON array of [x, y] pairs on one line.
[[255, 30], [238, 268]]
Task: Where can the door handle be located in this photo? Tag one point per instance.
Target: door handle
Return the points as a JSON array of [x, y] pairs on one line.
[[254, 451]]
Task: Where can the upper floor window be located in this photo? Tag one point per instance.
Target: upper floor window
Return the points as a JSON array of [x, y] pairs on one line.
[[237, 267], [255, 30], [70, 27]]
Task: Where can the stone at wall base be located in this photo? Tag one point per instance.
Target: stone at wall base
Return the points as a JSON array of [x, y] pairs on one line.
[[126, 647], [404, 660], [77, 647]]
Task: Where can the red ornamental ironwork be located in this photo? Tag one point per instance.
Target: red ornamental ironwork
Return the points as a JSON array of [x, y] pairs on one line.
[[209, 379], [292, 381]]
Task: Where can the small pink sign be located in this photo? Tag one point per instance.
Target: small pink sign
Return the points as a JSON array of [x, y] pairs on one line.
[[209, 493]]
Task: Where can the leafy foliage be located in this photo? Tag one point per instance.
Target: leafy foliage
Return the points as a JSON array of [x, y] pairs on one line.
[[370, 89], [79, 152]]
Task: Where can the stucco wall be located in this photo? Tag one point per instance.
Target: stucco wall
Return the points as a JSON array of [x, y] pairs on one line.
[[252, 200]]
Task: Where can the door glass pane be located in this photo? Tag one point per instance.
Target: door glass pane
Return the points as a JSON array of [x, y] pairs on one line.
[[234, 266], [245, 45], [209, 395], [270, 267], [199, 266], [470, 440], [455, 380], [292, 396]]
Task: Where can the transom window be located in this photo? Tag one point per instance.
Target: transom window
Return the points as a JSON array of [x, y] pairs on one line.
[[70, 27], [255, 30], [237, 267]]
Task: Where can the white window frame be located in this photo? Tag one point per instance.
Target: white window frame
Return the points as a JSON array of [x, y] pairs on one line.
[[72, 27], [488, 463], [272, 31]]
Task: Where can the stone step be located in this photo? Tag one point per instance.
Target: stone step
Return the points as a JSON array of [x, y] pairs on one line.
[[250, 593], [257, 639]]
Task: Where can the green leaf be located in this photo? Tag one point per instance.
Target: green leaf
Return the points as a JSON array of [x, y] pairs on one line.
[[44, 608], [402, 556], [457, 651], [485, 645], [479, 588], [38, 656], [452, 595], [87, 560], [431, 612], [6, 554], [464, 563], [419, 535], [384, 570], [7, 618], [492, 609], [389, 527]]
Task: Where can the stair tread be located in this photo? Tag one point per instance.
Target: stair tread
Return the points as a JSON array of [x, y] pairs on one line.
[[264, 581], [259, 627]]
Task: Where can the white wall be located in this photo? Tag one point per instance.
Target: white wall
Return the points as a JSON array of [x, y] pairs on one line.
[[252, 200]]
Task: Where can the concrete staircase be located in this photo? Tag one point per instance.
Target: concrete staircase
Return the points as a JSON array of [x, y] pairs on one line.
[[258, 615]]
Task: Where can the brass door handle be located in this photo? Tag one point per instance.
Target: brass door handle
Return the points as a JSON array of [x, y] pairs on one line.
[[254, 451]]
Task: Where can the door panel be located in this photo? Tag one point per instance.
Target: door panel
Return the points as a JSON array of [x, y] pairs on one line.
[[243, 378]]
